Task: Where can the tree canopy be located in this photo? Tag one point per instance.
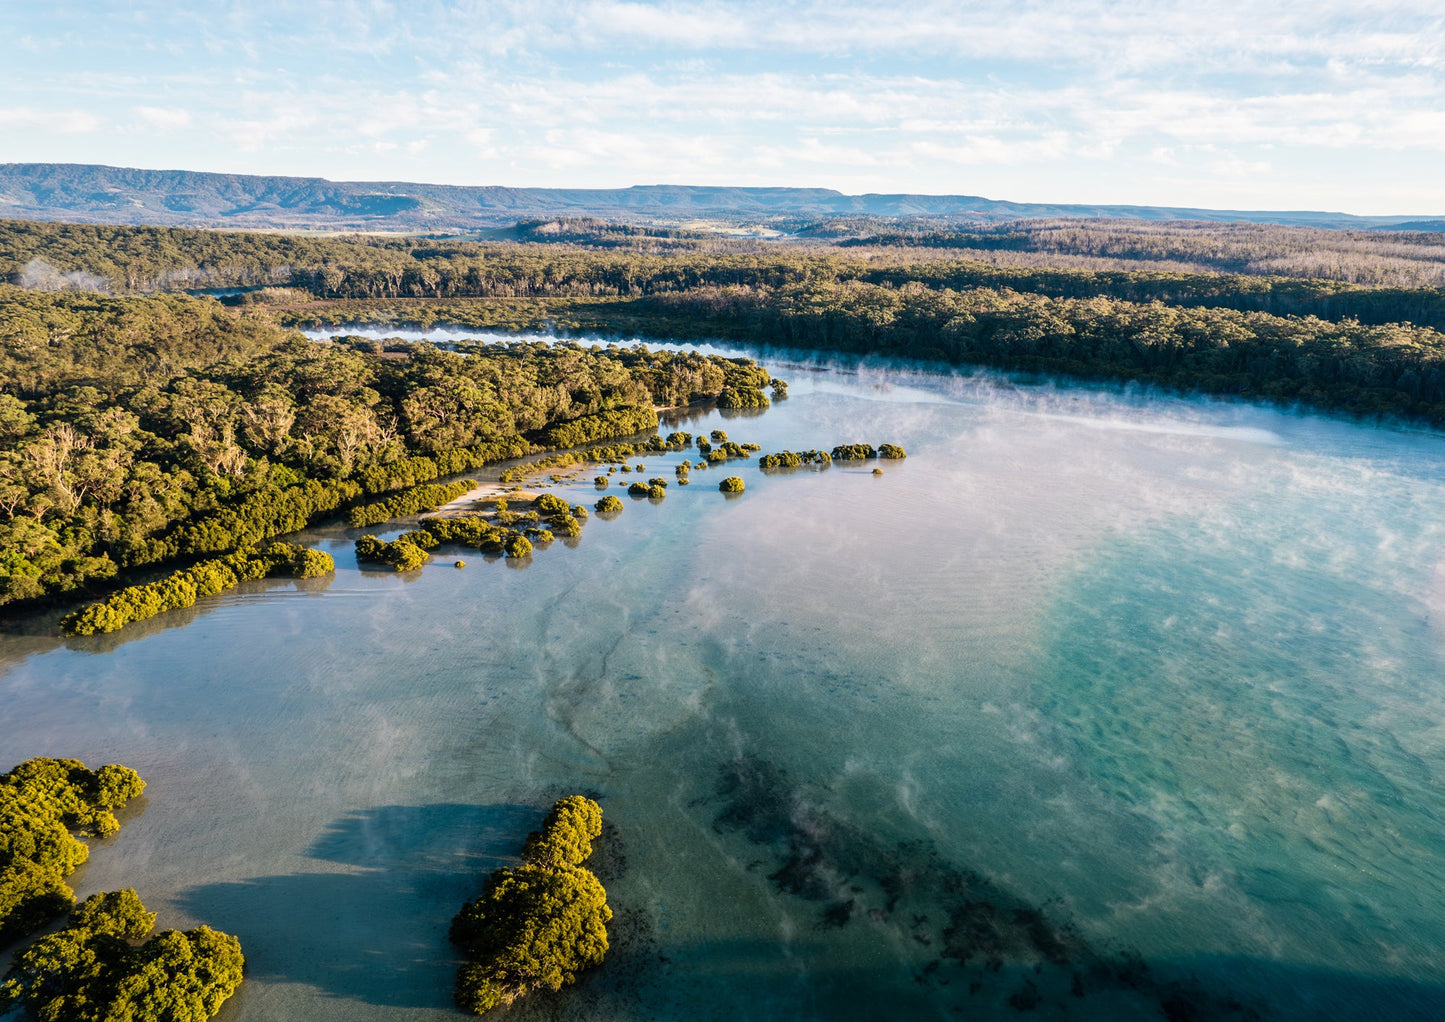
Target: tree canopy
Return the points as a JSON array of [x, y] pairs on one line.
[[95, 969], [41, 802], [538, 925]]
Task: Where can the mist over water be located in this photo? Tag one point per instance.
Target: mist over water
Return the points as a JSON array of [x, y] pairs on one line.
[[1090, 675]]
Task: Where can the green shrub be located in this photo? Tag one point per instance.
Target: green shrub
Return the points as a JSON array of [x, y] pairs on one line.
[[854, 452], [742, 397], [464, 530], [600, 482], [718, 435], [618, 422], [608, 503], [422, 538], [182, 588], [551, 504], [732, 484], [637, 490], [91, 972], [783, 459], [312, 564], [656, 492], [539, 925], [517, 545], [408, 502], [891, 451], [30, 896], [41, 801], [565, 525], [567, 834], [401, 554]]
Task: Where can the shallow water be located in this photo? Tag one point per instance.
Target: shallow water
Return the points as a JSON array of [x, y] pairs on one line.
[[1090, 678]]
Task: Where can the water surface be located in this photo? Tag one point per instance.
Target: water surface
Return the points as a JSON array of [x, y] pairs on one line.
[[1099, 702]]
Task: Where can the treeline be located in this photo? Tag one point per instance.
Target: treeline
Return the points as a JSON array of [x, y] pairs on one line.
[[1373, 258], [41, 801], [1298, 271], [536, 926], [148, 430], [595, 233], [1393, 369], [182, 588]]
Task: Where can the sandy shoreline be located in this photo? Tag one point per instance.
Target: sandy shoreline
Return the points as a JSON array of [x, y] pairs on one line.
[[481, 498]]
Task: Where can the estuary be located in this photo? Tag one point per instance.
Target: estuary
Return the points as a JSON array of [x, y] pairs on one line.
[[1100, 702]]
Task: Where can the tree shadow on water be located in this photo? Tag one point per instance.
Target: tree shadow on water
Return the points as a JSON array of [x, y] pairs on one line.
[[373, 928]]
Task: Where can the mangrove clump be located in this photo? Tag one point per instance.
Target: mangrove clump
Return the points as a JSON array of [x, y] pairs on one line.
[[41, 802], [742, 397], [182, 588], [96, 969], [540, 924]]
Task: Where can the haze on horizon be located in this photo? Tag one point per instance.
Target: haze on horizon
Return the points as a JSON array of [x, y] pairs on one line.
[[1327, 105]]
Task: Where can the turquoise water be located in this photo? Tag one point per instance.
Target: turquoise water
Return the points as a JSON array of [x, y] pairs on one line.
[[1099, 705]]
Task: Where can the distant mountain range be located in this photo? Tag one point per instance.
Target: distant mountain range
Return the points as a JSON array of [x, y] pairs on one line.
[[178, 198]]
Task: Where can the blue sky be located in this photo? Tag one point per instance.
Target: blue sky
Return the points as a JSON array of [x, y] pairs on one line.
[[1281, 105]]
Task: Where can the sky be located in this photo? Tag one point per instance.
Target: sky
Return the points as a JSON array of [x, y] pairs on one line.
[[1324, 104]]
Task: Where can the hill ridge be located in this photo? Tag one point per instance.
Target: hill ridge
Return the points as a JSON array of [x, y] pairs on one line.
[[97, 193]]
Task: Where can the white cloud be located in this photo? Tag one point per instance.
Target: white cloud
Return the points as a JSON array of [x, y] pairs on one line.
[[59, 122], [164, 118]]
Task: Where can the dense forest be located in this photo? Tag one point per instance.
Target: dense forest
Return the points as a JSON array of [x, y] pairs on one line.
[[1389, 368], [139, 432], [1399, 258], [1395, 369], [150, 431], [1293, 271]]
